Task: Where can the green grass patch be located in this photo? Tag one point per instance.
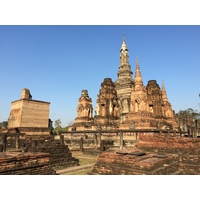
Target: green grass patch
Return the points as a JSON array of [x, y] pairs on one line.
[[85, 160]]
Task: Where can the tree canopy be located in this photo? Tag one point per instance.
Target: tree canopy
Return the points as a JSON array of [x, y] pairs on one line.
[[188, 114]]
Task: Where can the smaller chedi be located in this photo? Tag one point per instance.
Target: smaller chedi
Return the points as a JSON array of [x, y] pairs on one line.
[[84, 112], [30, 116]]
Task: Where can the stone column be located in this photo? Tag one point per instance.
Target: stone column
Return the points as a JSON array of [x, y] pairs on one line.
[[136, 135], [17, 141], [61, 139], [160, 132], [4, 143], [95, 140], [1, 147], [81, 145], [190, 130], [180, 132], [102, 145], [168, 132], [195, 133], [121, 140], [99, 138]]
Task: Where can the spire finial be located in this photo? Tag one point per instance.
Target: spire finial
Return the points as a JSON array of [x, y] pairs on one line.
[[137, 61], [164, 94], [163, 86], [138, 77], [123, 37]]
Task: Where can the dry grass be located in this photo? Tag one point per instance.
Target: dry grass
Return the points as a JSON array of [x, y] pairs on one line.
[[83, 160]]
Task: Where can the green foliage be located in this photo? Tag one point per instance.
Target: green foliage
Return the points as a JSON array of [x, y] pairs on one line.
[[4, 124], [57, 127], [57, 124], [64, 129], [188, 116]]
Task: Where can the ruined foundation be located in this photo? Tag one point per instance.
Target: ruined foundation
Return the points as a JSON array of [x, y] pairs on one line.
[[153, 155], [135, 163], [13, 163], [187, 149]]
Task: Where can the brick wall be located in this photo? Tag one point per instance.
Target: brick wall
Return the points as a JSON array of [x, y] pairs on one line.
[[187, 150], [29, 113], [113, 163], [59, 154], [13, 163]]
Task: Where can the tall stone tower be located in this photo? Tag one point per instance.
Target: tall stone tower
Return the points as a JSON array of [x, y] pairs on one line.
[[167, 108], [139, 92], [155, 100], [107, 108], [124, 82]]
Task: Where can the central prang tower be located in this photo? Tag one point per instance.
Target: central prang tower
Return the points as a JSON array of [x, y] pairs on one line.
[[124, 82]]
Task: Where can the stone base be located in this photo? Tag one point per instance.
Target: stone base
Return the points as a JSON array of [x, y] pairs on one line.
[[187, 150], [15, 163], [35, 131], [59, 154], [134, 163]]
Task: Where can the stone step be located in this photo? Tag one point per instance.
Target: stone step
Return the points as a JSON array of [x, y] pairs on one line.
[[72, 169]]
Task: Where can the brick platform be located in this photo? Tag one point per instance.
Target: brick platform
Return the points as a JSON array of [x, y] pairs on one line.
[[187, 150], [163, 154], [13, 163], [134, 163], [59, 154]]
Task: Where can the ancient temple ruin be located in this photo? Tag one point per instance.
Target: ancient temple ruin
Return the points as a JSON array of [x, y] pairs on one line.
[[128, 103], [29, 116]]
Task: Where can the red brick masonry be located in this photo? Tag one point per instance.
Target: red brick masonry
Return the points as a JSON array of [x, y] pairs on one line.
[[164, 155], [117, 163], [14, 163]]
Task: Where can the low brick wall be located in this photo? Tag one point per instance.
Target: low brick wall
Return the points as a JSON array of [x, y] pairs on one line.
[[13, 140], [59, 154], [13, 163], [128, 163], [164, 155], [187, 149]]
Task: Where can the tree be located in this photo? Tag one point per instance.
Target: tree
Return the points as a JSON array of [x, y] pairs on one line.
[[57, 124], [188, 118], [57, 127], [4, 124]]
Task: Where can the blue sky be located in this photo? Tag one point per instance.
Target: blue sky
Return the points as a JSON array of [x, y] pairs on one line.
[[57, 62]]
